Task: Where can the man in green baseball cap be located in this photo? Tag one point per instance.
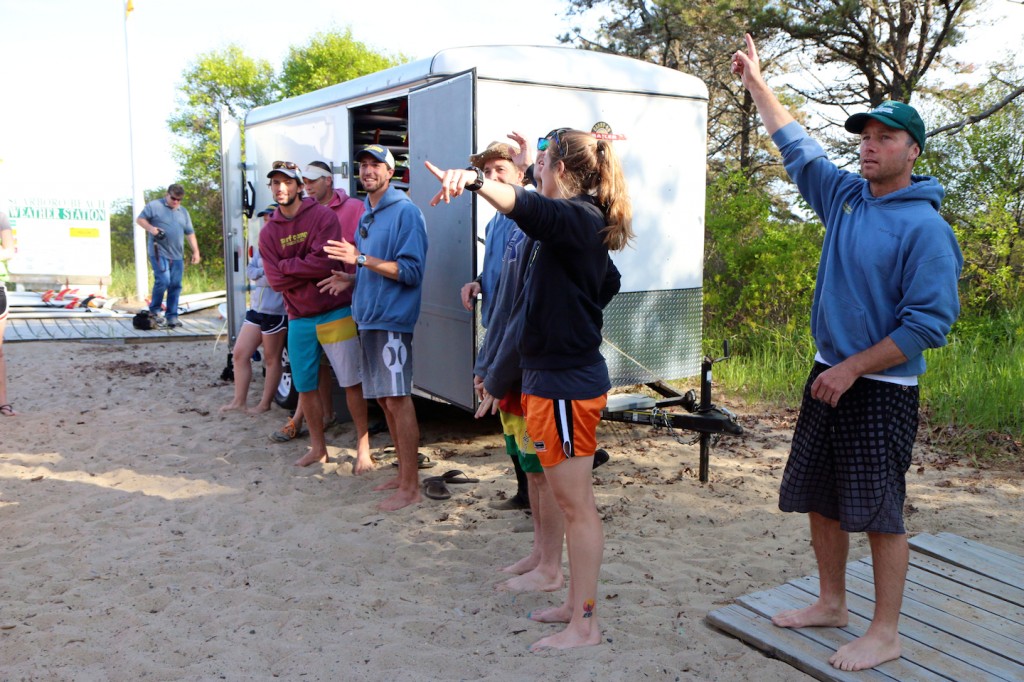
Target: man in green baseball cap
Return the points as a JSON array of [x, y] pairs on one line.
[[895, 115]]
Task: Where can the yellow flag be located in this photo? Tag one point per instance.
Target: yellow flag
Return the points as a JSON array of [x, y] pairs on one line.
[[128, 7]]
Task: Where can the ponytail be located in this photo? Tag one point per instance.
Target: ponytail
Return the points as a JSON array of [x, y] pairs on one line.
[[592, 167]]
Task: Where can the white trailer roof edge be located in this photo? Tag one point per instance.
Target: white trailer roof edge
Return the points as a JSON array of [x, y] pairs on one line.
[[550, 66]]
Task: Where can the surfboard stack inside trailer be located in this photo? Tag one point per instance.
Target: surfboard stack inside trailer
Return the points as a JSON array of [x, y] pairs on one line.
[[453, 104]]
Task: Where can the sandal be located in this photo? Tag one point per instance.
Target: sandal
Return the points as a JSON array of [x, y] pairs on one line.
[[7, 410], [287, 432]]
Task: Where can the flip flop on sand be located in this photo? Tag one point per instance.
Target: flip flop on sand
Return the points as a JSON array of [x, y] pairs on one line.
[[7, 410], [453, 476], [422, 462], [435, 489]]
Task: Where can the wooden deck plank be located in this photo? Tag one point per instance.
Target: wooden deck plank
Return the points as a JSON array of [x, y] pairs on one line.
[[990, 564], [97, 327], [1008, 593], [800, 652], [960, 600], [946, 636], [925, 644], [960, 619], [917, 610], [979, 547]]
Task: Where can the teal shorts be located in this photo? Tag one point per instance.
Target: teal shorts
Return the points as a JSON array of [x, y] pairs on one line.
[[333, 332]]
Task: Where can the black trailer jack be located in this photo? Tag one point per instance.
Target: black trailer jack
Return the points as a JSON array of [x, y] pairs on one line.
[[704, 417]]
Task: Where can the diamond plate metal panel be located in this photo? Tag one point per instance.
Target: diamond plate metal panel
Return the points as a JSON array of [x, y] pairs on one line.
[[653, 335]]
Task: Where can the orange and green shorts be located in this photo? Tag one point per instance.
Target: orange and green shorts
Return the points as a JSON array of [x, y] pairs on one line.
[[561, 429]]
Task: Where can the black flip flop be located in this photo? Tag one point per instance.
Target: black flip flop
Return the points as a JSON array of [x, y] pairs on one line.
[[422, 462], [435, 489], [453, 476]]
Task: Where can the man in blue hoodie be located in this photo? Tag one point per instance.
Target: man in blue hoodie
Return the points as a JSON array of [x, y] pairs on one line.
[[389, 253], [886, 290]]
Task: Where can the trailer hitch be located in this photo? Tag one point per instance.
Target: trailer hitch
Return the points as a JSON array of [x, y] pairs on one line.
[[703, 417]]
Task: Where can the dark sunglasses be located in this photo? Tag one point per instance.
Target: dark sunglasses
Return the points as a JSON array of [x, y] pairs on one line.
[[363, 228], [277, 165], [545, 142]]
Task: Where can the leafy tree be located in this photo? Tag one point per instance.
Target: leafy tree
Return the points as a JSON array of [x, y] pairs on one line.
[[327, 59], [696, 38], [225, 77], [881, 49], [981, 167]]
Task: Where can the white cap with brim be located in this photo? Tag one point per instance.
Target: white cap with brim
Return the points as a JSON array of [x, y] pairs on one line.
[[312, 172]]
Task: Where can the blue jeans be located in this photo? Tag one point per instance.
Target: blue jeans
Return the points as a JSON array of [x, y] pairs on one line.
[[166, 279]]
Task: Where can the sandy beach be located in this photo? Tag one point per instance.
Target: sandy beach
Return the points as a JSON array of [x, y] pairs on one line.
[[149, 537]]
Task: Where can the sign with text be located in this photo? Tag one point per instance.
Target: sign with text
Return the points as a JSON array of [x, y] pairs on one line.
[[60, 238]]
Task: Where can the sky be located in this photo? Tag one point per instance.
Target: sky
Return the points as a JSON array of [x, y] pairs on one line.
[[64, 113]]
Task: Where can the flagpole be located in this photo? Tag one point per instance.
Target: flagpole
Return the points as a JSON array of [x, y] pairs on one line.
[[139, 235]]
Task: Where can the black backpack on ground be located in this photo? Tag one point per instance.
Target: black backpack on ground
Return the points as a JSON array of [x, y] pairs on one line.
[[145, 320]]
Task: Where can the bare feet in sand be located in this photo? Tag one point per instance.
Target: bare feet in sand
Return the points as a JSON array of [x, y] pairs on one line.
[[259, 409], [532, 581], [399, 499], [816, 615], [588, 634], [555, 614], [312, 458], [232, 407], [363, 464], [524, 565], [390, 484], [866, 652]]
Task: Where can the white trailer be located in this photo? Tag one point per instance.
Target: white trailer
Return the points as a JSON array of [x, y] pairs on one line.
[[453, 104]]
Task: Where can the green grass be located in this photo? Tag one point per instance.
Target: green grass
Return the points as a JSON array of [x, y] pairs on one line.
[[197, 278], [972, 395]]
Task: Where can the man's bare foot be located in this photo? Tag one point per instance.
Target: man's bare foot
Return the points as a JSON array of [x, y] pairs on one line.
[[363, 464], [232, 407], [532, 581], [390, 484], [555, 614], [399, 499], [569, 638], [312, 458], [258, 409], [524, 565], [816, 615], [866, 652]]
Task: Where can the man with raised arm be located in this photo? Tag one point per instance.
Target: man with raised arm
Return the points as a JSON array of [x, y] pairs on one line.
[[886, 290]]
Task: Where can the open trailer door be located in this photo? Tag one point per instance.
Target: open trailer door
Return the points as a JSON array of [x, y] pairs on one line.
[[443, 344], [233, 197]]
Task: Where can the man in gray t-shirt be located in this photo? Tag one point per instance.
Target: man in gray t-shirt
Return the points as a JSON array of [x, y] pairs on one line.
[[168, 223]]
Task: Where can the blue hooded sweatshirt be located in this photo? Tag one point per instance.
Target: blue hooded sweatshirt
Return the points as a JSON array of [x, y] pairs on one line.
[[395, 231], [889, 265]]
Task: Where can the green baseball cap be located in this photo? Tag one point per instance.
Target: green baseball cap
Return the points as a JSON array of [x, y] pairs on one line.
[[895, 115]]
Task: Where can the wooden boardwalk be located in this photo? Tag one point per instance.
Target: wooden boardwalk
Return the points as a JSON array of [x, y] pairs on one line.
[[962, 617], [108, 328]]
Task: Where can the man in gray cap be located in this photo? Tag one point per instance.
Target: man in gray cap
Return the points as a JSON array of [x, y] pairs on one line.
[[886, 290]]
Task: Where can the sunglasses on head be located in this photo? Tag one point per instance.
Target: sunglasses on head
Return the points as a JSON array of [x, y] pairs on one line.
[[364, 227], [277, 165], [545, 142]]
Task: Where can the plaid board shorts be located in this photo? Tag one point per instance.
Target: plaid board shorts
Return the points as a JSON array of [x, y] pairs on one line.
[[849, 463]]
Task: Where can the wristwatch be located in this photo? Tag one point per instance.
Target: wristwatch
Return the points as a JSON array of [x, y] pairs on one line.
[[479, 182], [360, 260]]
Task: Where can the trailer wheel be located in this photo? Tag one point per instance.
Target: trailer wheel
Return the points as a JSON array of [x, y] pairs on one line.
[[286, 396]]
